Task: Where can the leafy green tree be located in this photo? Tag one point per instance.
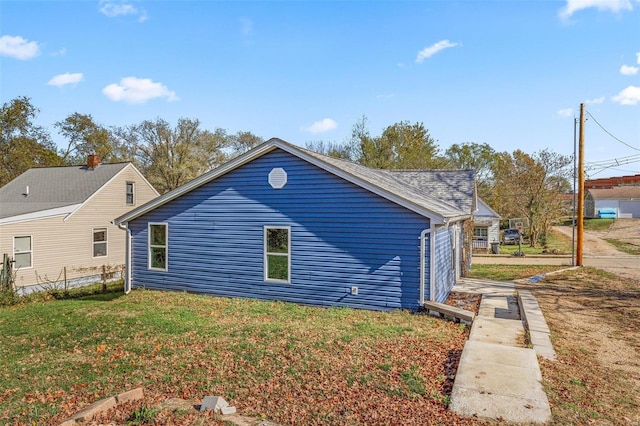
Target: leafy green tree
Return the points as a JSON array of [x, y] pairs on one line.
[[400, 146], [23, 144], [170, 157], [86, 137], [330, 149], [531, 186], [241, 142], [480, 158]]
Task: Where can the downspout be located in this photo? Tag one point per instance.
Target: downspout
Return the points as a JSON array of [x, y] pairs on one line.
[[432, 267], [423, 234], [127, 258]]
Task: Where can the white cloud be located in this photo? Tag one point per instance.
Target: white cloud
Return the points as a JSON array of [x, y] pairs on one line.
[[638, 58], [565, 112], [321, 126], [18, 47], [628, 96], [429, 51], [138, 90], [595, 101], [66, 78], [629, 70], [114, 9], [573, 6]]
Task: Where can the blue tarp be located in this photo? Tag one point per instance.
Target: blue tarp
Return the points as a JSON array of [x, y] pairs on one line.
[[607, 214]]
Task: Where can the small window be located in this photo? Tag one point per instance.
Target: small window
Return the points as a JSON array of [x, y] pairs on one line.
[[158, 240], [99, 242], [480, 232], [130, 194], [277, 253], [22, 252]]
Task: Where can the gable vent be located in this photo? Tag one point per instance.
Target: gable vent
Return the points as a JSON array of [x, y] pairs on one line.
[[277, 178]]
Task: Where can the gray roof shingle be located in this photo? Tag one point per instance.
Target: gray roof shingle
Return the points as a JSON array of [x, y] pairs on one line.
[[427, 188], [455, 187], [53, 187]]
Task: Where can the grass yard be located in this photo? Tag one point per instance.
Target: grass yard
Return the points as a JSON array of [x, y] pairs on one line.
[[594, 317], [555, 243], [597, 224], [289, 363], [624, 246]]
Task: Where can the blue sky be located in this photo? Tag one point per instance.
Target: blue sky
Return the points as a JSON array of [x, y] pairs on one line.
[[508, 73]]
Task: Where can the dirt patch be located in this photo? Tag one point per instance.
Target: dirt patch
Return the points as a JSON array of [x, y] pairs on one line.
[[625, 230], [467, 301], [594, 319]]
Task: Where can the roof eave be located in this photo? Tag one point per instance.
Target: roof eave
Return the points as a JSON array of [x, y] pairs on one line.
[[267, 147]]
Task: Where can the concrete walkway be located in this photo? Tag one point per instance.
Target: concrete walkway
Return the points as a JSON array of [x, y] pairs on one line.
[[497, 377]]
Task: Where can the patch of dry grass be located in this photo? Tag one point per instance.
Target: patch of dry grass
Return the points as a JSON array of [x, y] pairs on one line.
[[289, 363], [594, 318]]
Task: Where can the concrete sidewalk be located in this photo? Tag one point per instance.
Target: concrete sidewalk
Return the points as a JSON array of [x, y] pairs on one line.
[[497, 377]]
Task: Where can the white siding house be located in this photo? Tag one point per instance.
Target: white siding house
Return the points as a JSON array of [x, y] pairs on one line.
[[56, 222], [625, 200], [486, 226]]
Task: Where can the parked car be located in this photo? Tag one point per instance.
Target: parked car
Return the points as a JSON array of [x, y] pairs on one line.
[[511, 236]]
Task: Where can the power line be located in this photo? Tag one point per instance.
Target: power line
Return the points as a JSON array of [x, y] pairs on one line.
[[610, 134]]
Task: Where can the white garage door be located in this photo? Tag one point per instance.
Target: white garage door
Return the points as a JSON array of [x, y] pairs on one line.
[[629, 208]]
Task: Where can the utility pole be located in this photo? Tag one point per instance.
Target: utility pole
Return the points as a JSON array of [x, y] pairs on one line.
[[580, 240], [575, 191]]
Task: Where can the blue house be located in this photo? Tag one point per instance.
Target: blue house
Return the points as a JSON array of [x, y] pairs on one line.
[[283, 223]]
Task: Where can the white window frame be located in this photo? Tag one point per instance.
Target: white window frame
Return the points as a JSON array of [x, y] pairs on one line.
[[133, 193], [105, 242], [476, 237], [267, 254], [30, 251], [165, 246]]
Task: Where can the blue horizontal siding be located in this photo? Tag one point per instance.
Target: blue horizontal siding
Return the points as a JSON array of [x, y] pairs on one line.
[[445, 272], [341, 236]]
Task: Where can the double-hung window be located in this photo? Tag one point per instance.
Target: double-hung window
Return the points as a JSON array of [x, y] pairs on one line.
[[277, 253], [22, 252], [158, 246], [99, 242], [480, 233], [131, 200]]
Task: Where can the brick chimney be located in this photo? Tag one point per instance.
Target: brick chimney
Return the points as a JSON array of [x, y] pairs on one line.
[[93, 161]]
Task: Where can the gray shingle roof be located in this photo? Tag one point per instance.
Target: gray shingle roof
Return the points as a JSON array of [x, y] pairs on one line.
[[621, 192], [427, 188], [455, 187], [54, 187]]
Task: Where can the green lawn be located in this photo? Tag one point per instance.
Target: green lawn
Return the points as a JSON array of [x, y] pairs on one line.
[[509, 272], [597, 224], [555, 243], [282, 361]]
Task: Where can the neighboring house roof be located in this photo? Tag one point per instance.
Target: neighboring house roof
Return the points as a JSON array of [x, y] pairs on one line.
[[485, 210], [617, 192], [53, 190], [455, 187], [387, 184], [612, 182]]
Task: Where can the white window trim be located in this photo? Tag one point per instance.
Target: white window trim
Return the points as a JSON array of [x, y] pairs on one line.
[[480, 236], [93, 242], [133, 193], [166, 246], [265, 254], [30, 251]]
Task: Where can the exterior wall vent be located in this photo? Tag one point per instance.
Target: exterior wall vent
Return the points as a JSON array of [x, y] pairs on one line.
[[277, 178]]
